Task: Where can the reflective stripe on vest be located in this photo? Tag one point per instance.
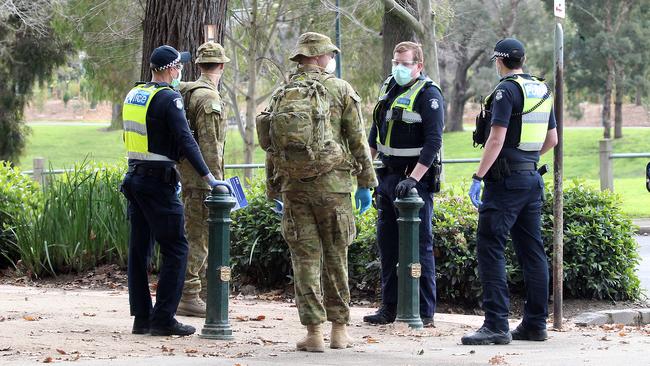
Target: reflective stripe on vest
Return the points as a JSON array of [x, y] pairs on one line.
[[405, 102], [134, 115], [534, 125]]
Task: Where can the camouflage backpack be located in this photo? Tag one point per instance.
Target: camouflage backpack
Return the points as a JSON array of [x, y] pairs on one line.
[[302, 144]]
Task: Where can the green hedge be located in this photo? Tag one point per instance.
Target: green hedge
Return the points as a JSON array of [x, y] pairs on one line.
[[600, 253], [79, 222], [19, 196]]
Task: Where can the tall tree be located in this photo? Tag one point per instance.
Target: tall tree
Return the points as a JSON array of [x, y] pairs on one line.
[[109, 34], [600, 38], [396, 29], [29, 52], [180, 24]]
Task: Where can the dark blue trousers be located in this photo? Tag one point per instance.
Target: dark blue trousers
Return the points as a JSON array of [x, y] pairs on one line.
[[388, 242], [513, 205], [156, 214]]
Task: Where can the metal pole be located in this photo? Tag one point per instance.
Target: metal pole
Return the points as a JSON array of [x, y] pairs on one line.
[[218, 275], [606, 173], [338, 40], [558, 199], [409, 269]]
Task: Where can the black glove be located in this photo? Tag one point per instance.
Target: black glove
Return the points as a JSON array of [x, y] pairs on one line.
[[404, 187]]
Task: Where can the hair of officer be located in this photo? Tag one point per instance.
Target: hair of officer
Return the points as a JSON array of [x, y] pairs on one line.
[[402, 47], [208, 66], [513, 63]]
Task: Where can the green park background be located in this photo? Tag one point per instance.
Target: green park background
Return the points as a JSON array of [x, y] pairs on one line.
[[63, 145]]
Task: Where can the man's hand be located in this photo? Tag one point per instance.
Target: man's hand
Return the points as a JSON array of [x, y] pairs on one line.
[[475, 193], [404, 187], [214, 182], [363, 199]]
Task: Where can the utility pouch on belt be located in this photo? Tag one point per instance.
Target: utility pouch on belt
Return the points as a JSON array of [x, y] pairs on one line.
[[483, 120], [435, 171], [499, 170]]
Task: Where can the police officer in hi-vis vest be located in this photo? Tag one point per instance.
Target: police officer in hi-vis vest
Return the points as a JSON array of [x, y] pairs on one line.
[[521, 128], [407, 134], [157, 136]]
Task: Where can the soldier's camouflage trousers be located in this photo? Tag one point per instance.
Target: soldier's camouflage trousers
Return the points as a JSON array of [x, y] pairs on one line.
[[319, 226], [196, 229]]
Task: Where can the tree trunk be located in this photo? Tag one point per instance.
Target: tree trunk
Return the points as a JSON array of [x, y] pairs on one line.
[[457, 100], [116, 117], [428, 40], [638, 96], [618, 106], [180, 24], [251, 95], [396, 30], [606, 115]]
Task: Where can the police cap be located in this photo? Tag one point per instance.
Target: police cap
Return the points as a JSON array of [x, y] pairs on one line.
[[211, 52], [312, 44], [166, 56], [509, 48]]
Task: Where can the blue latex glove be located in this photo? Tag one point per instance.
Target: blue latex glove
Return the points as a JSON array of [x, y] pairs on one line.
[[214, 182], [475, 192], [363, 199]]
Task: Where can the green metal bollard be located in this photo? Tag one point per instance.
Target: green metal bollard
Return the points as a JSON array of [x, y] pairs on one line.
[[409, 269], [218, 276]]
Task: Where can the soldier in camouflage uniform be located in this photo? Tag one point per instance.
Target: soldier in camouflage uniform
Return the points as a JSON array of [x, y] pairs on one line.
[[318, 222], [205, 115]]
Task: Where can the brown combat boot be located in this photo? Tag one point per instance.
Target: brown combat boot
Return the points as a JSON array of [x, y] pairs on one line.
[[313, 342], [191, 305], [339, 337]]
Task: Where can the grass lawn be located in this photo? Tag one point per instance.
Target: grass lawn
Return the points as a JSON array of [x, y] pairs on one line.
[[64, 145]]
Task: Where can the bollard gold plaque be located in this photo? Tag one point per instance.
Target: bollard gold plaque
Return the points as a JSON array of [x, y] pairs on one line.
[[416, 270], [224, 273]]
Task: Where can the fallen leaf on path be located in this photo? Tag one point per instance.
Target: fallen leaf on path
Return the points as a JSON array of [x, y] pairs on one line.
[[369, 339], [278, 318], [604, 338], [242, 318], [420, 352], [31, 318], [191, 350], [4, 349], [498, 360], [622, 334], [48, 360], [62, 352], [259, 318], [2, 318], [90, 314]]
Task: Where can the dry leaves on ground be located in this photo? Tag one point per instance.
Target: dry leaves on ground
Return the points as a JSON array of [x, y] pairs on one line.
[[498, 360]]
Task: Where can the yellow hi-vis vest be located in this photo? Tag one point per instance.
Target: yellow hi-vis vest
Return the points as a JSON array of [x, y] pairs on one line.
[[403, 102], [534, 117], [134, 114]]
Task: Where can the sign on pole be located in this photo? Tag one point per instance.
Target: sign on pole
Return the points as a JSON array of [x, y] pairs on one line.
[[558, 9]]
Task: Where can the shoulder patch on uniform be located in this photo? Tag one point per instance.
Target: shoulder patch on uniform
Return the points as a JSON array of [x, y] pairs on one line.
[[498, 95], [178, 102], [435, 104], [216, 107]]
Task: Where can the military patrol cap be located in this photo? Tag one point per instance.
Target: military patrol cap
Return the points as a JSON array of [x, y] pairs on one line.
[[166, 56], [509, 48], [312, 44], [211, 52]]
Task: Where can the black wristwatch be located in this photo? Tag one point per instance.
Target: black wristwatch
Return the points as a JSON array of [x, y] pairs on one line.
[[474, 176]]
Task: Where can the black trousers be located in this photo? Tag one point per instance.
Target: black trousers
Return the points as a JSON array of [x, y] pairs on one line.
[[513, 206], [156, 214]]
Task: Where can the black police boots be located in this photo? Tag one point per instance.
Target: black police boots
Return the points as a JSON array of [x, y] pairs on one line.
[[140, 326], [386, 314], [486, 336], [175, 329], [523, 334]]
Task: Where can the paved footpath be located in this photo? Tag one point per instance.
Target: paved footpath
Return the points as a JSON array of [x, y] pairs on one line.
[[89, 327]]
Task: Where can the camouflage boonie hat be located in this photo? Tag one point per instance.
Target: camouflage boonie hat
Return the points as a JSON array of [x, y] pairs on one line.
[[312, 44], [211, 52]]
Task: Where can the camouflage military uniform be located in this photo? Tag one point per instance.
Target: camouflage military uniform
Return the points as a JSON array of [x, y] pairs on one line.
[[205, 114], [318, 223]]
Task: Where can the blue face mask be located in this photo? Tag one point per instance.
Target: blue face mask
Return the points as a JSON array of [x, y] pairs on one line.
[[402, 74]]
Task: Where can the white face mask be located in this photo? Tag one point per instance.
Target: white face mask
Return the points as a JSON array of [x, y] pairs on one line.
[[331, 66], [177, 81]]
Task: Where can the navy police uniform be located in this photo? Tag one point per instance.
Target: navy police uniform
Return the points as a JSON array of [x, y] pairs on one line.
[[157, 136], [512, 202], [402, 141]]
